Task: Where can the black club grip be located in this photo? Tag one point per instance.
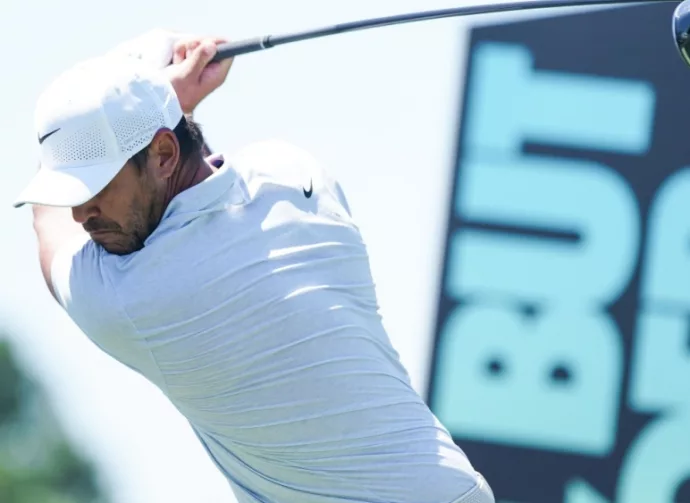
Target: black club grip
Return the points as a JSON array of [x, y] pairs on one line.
[[232, 49]]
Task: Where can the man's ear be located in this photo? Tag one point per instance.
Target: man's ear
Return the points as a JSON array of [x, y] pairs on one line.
[[164, 153]]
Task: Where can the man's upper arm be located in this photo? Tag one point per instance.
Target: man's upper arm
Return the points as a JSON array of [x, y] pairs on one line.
[[80, 275], [55, 230]]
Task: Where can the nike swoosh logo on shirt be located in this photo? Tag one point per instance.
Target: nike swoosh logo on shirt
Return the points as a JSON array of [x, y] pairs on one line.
[[308, 193]]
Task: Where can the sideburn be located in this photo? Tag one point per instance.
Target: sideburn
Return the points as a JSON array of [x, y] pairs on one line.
[[155, 199], [147, 209]]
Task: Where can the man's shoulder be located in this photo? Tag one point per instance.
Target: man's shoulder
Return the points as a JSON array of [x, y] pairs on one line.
[[69, 264], [90, 287], [85, 274], [81, 277], [276, 159], [98, 288], [277, 162]]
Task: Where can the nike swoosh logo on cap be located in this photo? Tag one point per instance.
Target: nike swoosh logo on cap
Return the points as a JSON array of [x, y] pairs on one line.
[[41, 139]]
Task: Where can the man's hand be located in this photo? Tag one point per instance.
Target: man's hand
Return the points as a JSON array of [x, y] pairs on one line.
[[190, 73], [154, 47]]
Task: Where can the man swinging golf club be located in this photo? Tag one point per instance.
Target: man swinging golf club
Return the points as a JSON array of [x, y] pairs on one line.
[[240, 287]]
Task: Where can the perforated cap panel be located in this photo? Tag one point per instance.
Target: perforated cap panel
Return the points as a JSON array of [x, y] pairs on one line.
[[135, 130], [81, 145], [174, 110], [105, 110]]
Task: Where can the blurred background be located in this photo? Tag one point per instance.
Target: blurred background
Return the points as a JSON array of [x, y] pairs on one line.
[[521, 181]]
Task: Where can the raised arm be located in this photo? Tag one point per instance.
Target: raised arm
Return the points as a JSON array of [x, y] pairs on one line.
[[193, 79], [53, 227]]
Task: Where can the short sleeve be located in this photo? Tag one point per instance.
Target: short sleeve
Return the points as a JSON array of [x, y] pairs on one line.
[[82, 274], [80, 281]]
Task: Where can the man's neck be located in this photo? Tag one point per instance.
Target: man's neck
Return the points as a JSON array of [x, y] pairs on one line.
[[194, 171]]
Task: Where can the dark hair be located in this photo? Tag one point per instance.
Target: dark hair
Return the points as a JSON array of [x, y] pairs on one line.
[[189, 137]]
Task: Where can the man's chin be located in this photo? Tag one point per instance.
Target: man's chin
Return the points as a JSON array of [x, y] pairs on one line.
[[116, 250], [115, 247]]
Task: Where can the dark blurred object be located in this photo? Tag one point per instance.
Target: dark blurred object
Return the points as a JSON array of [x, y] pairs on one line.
[[534, 260], [37, 462]]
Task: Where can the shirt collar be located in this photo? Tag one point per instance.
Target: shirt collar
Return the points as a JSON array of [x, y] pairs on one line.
[[215, 193]]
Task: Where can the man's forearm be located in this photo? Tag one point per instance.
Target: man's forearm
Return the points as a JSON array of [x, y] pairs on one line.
[[56, 224], [54, 227]]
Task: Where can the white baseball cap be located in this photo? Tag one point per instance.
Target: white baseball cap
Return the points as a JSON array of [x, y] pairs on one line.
[[90, 121]]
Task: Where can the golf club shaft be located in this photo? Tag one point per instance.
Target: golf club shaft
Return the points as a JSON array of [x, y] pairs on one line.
[[232, 49]]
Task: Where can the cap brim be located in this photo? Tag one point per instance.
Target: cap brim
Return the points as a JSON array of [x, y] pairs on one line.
[[68, 187]]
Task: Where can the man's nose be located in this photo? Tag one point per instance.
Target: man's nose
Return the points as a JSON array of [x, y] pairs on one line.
[[81, 214]]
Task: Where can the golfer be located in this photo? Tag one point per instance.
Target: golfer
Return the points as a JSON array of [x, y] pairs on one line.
[[239, 286]]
